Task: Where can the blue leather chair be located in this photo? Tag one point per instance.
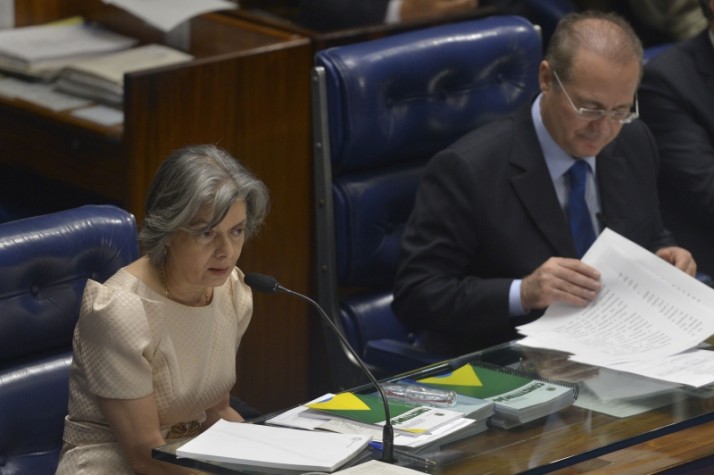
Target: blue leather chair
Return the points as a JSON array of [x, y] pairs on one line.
[[45, 262], [381, 109]]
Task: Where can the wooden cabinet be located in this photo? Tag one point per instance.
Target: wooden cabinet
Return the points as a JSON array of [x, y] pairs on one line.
[[246, 92]]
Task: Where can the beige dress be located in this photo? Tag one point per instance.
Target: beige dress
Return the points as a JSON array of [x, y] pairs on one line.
[[131, 341]]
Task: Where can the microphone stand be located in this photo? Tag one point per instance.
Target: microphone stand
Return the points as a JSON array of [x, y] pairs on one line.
[[388, 430]]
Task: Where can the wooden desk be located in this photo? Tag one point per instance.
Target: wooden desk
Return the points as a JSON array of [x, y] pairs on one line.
[[245, 91], [688, 451], [282, 15], [676, 434]]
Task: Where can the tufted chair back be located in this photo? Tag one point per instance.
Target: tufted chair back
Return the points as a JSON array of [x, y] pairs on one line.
[[45, 262], [381, 109]]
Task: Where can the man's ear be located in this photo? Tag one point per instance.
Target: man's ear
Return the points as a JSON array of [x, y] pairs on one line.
[[545, 76]]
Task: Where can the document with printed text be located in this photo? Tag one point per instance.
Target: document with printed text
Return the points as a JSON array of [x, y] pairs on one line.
[[647, 312]]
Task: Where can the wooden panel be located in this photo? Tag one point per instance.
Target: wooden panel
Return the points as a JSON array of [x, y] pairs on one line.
[[283, 16], [33, 12], [64, 151], [219, 34]]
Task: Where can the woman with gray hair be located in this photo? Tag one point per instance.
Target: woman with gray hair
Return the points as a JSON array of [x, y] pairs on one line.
[[155, 345]]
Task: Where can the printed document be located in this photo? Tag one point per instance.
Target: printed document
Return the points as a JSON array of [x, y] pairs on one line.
[[647, 310]]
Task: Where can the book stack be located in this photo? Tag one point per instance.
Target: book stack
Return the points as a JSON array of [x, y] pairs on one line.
[[244, 446], [102, 78], [518, 397], [415, 426], [368, 410], [40, 52]]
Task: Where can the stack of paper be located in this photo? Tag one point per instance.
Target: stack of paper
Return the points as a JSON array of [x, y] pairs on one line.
[[368, 409], [517, 398], [102, 78], [274, 447], [648, 318], [40, 52], [441, 434]]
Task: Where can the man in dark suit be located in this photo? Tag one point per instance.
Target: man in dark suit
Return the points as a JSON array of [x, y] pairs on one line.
[[328, 15], [677, 103], [488, 245]]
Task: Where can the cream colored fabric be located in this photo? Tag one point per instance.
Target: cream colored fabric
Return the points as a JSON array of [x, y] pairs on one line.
[[131, 341]]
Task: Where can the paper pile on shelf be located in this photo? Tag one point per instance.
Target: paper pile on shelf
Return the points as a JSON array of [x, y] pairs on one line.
[[40, 52], [102, 78]]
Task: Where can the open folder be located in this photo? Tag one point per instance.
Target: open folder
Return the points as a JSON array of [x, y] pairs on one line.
[[273, 447]]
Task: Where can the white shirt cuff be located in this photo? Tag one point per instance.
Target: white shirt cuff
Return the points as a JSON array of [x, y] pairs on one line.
[[515, 308]]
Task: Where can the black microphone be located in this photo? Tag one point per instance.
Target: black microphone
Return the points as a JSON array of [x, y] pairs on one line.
[[267, 284]]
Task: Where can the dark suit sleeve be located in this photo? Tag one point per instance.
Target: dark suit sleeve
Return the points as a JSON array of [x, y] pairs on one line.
[[671, 103], [327, 15], [436, 287]]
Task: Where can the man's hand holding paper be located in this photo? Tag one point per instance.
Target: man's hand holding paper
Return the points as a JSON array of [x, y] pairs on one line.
[[647, 309], [560, 279], [679, 258]]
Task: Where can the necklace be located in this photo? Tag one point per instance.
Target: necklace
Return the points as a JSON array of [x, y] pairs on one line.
[[169, 295]]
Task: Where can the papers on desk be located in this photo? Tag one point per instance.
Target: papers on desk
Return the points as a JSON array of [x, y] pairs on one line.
[[646, 318], [41, 51], [443, 434], [274, 447], [375, 467], [517, 397], [368, 409], [102, 78], [40, 94], [99, 114]]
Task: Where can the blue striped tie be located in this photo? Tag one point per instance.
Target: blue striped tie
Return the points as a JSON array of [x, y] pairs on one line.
[[581, 225]]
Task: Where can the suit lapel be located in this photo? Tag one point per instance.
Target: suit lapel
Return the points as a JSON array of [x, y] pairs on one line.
[[533, 186]]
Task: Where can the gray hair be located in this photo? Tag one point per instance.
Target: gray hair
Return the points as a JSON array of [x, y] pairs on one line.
[[187, 181], [610, 35]]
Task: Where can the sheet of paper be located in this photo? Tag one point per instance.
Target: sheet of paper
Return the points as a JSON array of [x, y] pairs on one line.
[[292, 418], [609, 384], [376, 467], [168, 14], [41, 94], [7, 14], [646, 310], [103, 115], [623, 407], [693, 368], [60, 40], [276, 447]]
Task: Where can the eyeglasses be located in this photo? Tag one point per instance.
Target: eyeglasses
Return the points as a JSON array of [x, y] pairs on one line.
[[623, 117]]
